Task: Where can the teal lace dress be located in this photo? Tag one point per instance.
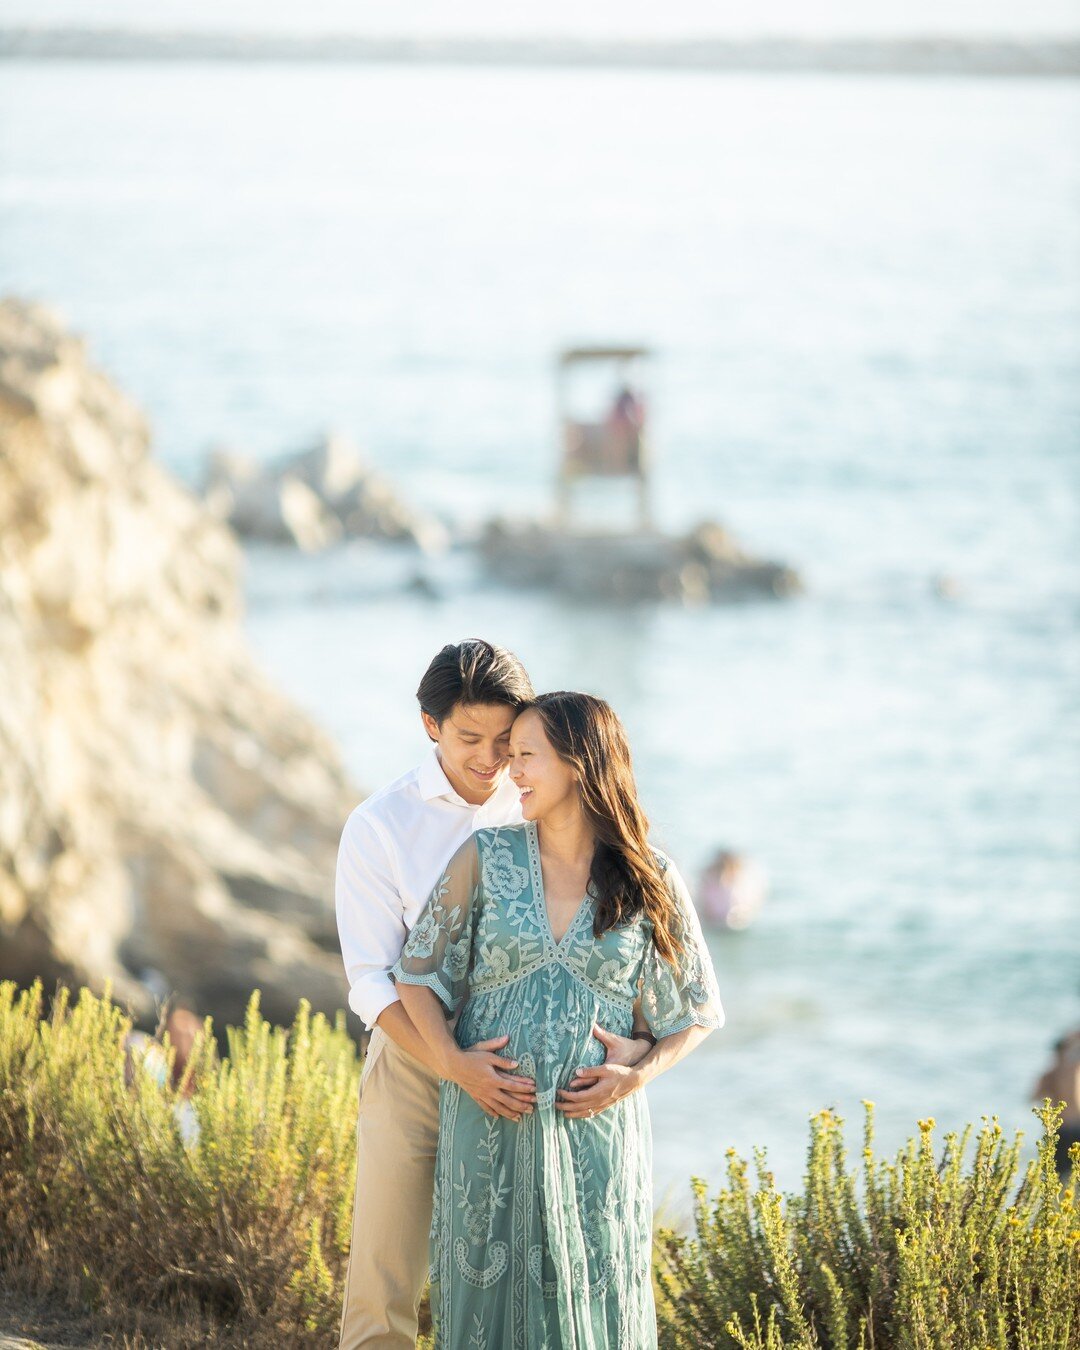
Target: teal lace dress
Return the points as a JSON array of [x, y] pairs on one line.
[[542, 1230]]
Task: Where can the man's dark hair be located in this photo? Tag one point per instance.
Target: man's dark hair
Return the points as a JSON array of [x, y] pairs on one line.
[[472, 672]]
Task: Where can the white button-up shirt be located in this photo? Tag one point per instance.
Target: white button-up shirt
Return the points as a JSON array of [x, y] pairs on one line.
[[393, 850]]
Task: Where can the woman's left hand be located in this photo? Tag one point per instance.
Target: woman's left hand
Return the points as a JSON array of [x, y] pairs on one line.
[[620, 1049], [594, 1089]]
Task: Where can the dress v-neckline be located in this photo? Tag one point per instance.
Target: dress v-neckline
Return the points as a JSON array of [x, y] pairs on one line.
[[541, 897]]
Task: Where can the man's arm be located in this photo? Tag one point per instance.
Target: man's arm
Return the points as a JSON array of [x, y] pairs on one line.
[[486, 1077], [397, 1024], [370, 918], [371, 929]]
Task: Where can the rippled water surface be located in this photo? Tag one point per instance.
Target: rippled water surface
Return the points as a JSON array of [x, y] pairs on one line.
[[865, 300]]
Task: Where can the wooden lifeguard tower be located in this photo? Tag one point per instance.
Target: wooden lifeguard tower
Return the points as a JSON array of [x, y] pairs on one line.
[[612, 444], [603, 426]]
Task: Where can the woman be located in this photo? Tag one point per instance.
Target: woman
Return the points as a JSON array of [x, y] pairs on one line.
[[542, 1225]]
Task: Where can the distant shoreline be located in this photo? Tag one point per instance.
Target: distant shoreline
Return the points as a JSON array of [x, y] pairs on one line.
[[895, 56]]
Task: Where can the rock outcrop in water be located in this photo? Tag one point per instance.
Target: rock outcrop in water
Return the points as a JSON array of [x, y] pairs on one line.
[[167, 817], [705, 566], [315, 498]]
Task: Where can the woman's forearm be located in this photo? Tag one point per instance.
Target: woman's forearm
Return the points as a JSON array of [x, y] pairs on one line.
[[668, 1051], [426, 1014]]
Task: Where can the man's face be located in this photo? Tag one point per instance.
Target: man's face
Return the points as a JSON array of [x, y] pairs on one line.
[[474, 747]]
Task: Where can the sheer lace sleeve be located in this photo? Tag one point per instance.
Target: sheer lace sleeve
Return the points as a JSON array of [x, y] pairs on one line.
[[438, 951], [674, 997]]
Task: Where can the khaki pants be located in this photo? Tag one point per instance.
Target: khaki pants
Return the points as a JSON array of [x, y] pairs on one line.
[[396, 1132]]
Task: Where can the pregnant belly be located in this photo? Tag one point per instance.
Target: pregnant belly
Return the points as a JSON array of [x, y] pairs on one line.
[[550, 1038]]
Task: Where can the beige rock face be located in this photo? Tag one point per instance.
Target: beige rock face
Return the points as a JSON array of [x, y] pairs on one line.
[[165, 813]]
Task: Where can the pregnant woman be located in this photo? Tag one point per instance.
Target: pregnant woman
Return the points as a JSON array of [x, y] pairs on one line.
[[549, 930]]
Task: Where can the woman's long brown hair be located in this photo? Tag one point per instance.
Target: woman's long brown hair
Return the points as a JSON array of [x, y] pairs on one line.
[[625, 875]]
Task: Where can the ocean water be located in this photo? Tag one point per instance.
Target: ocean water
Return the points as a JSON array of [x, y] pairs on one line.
[[864, 298]]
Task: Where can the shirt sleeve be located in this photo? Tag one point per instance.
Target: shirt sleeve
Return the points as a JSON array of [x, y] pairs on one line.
[[683, 994], [438, 951], [370, 916]]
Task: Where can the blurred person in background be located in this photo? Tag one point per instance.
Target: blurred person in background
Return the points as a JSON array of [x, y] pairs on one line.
[[731, 890], [181, 1027], [1061, 1083], [625, 423]]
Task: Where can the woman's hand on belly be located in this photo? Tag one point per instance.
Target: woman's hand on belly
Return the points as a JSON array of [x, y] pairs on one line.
[[594, 1089], [621, 1049]]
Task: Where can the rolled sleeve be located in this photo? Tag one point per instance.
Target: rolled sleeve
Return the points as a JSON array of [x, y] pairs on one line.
[[370, 995], [370, 917]]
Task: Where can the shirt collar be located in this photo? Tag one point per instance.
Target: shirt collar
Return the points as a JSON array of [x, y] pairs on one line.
[[432, 781]]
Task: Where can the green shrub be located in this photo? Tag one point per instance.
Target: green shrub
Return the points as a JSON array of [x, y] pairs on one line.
[[239, 1236], [924, 1254], [105, 1206]]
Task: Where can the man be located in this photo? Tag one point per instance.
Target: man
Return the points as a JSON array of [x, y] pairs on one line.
[[392, 853]]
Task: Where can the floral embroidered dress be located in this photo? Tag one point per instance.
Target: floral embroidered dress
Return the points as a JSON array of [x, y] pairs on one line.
[[542, 1229]]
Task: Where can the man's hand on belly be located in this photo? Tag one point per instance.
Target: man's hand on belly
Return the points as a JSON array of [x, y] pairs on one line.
[[490, 1081]]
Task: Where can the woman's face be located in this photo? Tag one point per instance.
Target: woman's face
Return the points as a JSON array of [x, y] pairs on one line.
[[545, 783]]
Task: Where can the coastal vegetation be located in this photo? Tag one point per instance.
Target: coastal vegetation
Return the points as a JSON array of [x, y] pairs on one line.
[[931, 1250], [238, 1235], [233, 1229]]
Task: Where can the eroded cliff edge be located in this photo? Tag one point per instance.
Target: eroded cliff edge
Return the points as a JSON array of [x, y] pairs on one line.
[[167, 817]]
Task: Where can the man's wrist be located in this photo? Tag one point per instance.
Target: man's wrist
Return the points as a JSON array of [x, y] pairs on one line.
[[449, 1061]]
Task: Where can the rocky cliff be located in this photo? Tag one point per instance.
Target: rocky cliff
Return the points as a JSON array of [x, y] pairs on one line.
[[167, 817]]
